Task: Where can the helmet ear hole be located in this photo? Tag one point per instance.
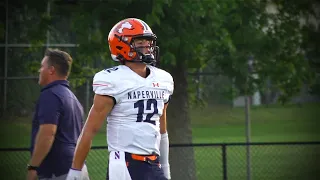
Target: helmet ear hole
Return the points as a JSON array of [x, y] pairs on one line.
[[119, 47]]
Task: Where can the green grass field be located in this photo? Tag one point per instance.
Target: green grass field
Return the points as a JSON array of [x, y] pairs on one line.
[[211, 125]]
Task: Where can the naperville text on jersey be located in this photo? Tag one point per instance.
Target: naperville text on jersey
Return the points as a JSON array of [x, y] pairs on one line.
[[146, 94]]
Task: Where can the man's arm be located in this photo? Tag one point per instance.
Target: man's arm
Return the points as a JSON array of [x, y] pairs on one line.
[[43, 143], [102, 105], [164, 144], [48, 117]]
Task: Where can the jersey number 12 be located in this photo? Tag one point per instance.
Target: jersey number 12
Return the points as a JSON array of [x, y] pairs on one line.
[[140, 105]]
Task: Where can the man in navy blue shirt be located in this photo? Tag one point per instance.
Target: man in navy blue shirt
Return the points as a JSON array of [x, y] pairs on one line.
[[57, 121]]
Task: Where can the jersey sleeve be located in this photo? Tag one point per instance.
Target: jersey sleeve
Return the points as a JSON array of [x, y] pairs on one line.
[[104, 84], [170, 87]]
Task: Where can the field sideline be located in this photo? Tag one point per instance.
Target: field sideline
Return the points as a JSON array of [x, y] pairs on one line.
[[211, 125]]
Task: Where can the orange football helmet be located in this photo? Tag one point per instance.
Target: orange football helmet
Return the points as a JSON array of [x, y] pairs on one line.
[[121, 45]]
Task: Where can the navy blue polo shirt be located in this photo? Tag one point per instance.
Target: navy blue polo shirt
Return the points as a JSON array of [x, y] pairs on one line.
[[58, 105]]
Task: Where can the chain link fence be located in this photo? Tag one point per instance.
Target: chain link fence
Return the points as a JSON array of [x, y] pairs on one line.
[[270, 161]]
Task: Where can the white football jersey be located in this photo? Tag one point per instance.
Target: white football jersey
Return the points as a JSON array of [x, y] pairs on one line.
[[133, 124]]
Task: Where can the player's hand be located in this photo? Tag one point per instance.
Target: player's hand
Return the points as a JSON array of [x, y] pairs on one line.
[[32, 175], [74, 174]]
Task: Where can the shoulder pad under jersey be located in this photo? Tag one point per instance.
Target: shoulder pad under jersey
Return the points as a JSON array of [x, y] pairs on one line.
[[104, 82]]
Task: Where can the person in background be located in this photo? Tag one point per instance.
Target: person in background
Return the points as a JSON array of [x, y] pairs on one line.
[[57, 122]]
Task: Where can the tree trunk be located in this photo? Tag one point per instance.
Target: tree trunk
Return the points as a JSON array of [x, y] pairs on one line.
[[179, 128]]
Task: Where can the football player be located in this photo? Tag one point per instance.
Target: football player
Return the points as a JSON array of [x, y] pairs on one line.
[[134, 97]]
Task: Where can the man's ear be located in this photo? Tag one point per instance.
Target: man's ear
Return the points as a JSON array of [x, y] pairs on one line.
[[52, 70]]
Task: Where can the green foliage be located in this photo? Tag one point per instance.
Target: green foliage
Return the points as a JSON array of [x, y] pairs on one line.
[[191, 35], [275, 42], [290, 69]]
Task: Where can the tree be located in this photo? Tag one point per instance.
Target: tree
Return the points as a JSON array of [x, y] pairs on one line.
[[275, 42], [190, 34], [291, 69]]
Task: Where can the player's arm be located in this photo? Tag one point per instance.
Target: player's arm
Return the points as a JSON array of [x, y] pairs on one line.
[[164, 144], [102, 105]]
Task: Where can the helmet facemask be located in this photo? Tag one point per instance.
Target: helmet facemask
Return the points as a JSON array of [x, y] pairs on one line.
[[151, 57]]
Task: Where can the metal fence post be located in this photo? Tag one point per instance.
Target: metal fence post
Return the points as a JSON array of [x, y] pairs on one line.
[[248, 122], [224, 161], [48, 32], [248, 135], [5, 84], [198, 84]]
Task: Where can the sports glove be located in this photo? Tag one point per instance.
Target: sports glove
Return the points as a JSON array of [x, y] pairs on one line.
[[74, 174]]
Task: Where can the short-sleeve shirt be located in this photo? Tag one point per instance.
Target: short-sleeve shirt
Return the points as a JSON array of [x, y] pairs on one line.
[[58, 105]]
